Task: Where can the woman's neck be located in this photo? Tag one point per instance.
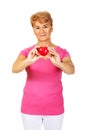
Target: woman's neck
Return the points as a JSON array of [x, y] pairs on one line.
[[48, 43]]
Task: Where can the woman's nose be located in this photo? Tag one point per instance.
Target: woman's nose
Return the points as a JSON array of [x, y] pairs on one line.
[[41, 30]]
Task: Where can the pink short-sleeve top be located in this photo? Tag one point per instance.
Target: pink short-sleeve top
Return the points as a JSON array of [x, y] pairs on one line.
[[42, 93]]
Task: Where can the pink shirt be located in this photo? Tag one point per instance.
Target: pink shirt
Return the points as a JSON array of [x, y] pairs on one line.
[[42, 93]]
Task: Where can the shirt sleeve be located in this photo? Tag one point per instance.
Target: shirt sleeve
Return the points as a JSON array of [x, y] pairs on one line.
[[24, 52], [63, 53]]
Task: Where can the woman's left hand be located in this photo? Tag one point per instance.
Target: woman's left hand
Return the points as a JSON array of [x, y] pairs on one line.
[[53, 56], [66, 65]]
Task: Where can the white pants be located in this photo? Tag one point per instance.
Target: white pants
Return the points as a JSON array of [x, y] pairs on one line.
[[34, 122]]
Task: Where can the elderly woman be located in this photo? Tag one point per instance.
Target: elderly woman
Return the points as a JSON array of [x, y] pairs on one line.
[[44, 62]]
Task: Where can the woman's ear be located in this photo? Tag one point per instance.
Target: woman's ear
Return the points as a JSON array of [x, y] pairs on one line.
[[52, 29]]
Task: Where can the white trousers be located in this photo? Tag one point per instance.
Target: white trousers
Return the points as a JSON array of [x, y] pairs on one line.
[[35, 122]]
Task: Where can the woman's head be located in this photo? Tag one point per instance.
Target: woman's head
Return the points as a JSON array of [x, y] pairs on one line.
[[41, 17]]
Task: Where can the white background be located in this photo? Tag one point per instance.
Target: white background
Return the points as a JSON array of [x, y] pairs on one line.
[[70, 32]]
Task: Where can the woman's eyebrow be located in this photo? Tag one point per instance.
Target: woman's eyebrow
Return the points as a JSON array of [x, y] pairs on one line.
[[46, 24]]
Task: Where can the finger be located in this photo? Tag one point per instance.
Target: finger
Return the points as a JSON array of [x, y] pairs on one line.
[[51, 48], [38, 57], [48, 56], [32, 50], [53, 52], [36, 47], [36, 51]]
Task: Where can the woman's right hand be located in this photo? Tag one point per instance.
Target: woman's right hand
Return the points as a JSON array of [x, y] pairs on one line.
[[22, 62], [33, 55]]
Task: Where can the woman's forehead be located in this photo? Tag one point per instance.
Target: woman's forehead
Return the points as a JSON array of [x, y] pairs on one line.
[[37, 23]]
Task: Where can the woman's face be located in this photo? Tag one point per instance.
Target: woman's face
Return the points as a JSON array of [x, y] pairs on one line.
[[42, 31]]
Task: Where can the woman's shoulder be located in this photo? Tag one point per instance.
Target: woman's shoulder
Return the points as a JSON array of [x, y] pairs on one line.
[[26, 50], [59, 48], [62, 51]]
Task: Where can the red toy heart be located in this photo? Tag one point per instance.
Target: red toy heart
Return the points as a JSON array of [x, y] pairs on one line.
[[43, 50]]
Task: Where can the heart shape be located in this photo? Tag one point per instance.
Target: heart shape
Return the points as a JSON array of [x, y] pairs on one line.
[[43, 50]]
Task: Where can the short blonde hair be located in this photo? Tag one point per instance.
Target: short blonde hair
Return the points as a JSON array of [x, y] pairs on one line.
[[41, 16]]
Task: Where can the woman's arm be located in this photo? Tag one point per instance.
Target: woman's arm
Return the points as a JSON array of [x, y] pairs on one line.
[[66, 65], [22, 62]]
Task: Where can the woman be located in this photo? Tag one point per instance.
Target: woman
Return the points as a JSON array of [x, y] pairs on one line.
[[44, 63]]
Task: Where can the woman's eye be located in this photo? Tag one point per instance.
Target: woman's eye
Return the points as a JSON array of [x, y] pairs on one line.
[[37, 28], [45, 26]]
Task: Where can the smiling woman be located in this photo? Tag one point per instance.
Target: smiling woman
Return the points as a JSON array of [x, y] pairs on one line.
[[42, 100], [42, 31], [42, 26]]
